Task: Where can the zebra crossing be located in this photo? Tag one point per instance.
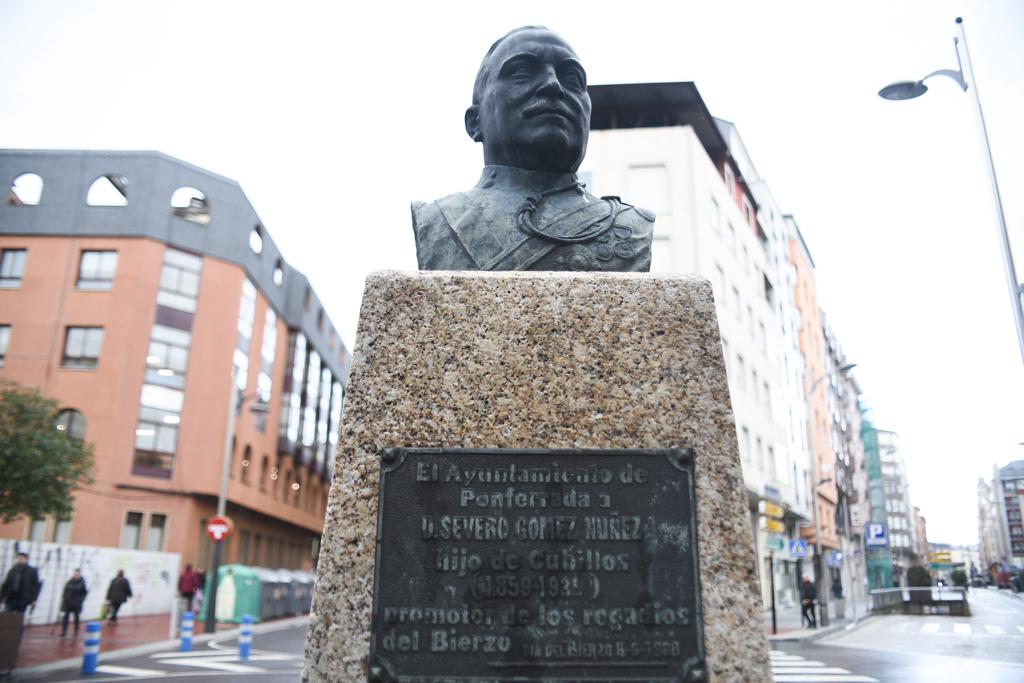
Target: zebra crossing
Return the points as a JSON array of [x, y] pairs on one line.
[[954, 628], [788, 668], [167, 663]]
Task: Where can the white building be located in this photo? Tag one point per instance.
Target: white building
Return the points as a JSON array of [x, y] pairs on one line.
[[657, 146]]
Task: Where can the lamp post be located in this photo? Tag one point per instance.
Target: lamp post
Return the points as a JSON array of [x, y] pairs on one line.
[[818, 570], [964, 77], [258, 408]]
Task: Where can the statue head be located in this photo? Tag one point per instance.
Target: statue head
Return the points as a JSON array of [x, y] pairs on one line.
[[530, 103]]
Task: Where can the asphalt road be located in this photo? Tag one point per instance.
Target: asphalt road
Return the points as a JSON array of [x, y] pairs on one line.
[[276, 658], [987, 646], [993, 632]]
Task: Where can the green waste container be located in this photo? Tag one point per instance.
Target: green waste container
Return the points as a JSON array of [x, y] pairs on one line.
[[238, 593]]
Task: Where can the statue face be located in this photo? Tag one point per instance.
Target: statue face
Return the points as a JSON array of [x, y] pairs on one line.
[[534, 110]]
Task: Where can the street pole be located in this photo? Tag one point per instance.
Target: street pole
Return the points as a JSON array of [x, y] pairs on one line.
[[771, 579], [235, 404], [855, 565], [1016, 290], [818, 574]]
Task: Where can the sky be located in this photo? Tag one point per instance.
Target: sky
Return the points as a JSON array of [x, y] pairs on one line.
[[333, 116]]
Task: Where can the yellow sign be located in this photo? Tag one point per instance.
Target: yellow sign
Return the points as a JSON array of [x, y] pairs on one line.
[[770, 509], [772, 525], [940, 557]]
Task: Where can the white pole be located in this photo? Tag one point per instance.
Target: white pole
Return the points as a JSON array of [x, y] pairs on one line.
[[1004, 241]]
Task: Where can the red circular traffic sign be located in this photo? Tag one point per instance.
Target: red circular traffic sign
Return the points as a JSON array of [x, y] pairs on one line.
[[219, 528]]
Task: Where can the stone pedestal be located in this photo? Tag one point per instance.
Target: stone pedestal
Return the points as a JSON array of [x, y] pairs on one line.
[[537, 360]]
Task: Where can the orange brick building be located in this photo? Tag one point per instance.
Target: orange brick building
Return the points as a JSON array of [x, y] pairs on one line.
[[811, 338], [145, 296]]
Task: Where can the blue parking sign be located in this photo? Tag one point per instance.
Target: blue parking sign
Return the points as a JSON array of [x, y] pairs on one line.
[[798, 548], [876, 535]]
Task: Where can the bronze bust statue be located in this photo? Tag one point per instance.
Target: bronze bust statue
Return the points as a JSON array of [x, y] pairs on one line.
[[531, 112]]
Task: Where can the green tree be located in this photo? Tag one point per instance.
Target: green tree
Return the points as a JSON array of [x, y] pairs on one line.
[[959, 577], [40, 465], [919, 576]]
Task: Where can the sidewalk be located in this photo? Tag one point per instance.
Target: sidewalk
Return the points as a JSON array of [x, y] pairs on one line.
[[790, 626], [43, 644]]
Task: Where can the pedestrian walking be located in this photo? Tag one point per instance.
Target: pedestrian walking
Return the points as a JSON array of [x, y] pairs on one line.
[[71, 601], [808, 600], [21, 586], [188, 584], [118, 593], [18, 593], [201, 577]]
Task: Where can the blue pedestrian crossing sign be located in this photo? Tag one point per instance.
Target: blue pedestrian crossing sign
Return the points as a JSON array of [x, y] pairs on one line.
[[876, 535], [798, 548]]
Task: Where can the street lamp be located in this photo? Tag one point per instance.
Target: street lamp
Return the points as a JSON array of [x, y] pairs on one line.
[[842, 370], [260, 407], [964, 77]]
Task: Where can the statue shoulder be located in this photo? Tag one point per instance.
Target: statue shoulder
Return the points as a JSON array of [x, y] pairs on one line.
[[437, 248], [634, 216]]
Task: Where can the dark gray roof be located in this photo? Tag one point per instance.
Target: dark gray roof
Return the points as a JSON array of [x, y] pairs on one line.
[[1015, 470], [152, 179]]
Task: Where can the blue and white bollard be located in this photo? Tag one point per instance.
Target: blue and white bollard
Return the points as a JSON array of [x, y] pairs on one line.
[[188, 625], [92, 647], [245, 638]]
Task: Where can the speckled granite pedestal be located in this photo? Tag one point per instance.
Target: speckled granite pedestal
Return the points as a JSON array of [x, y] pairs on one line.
[[537, 360]]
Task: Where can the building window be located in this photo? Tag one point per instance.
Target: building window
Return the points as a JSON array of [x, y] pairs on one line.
[[731, 236], [745, 444], [648, 186], [96, 269], [82, 347], [737, 306], [12, 265], [279, 273], [191, 204], [131, 533], [108, 190], [246, 315], [264, 473], [748, 211], [5, 340], [741, 372], [179, 280], [661, 255], [716, 216], [37, 530], [729, 180], [61, 530], [157, 531], [246, 465], [26, 190], [167, 358], [264, 381], [155, 443], [72, 423]]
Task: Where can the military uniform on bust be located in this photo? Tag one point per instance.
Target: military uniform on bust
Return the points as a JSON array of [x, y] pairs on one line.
[[515, 219]]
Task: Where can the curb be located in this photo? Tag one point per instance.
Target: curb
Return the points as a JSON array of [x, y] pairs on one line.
[[822, 632], [148, 648]]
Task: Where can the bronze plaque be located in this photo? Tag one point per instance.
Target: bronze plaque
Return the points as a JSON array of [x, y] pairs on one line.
[[528, 565]]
